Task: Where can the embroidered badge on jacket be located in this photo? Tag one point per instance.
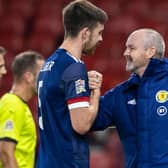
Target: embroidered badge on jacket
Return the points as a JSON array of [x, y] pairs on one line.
[[162, 96]]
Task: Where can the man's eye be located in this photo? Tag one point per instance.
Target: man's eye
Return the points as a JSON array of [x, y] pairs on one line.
[[132, 48]]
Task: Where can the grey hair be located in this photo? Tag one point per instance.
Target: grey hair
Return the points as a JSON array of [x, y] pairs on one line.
[[153, 38]]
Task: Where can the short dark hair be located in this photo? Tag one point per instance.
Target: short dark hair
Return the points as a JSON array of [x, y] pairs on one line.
[[82, 13], [25, 61], [2, 50]]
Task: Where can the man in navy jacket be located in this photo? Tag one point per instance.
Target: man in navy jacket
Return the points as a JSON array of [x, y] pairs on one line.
[[139, 106]]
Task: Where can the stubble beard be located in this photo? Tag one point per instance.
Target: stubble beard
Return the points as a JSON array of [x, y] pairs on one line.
[[87, 50], [90, 51], [130, 67]]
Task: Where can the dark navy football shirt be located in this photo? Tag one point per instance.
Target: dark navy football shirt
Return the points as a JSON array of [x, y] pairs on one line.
[[62, 85]]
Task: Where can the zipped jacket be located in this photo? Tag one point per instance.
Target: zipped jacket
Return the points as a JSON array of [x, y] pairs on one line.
[[139, 109]]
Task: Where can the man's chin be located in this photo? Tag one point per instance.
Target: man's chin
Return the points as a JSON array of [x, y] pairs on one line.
[[88, 52], [129, 69]]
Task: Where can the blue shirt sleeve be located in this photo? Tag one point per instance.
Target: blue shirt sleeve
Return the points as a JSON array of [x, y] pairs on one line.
[[75, 81], [105, 114]]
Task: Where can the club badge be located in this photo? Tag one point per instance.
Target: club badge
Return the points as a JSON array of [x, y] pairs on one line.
[[162, 96]]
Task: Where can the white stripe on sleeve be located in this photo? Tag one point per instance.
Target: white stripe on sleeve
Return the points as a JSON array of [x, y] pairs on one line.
[[78, 105]]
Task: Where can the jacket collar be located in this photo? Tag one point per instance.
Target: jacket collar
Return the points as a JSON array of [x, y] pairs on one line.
[[134, 80], [154, 67]]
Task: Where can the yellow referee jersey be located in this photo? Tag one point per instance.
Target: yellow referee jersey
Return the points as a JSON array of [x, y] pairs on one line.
[[16, 123]]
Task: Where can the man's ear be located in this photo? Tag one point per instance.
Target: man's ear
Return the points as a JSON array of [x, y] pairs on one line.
[[28, 76], [151, 52], [85, 34]]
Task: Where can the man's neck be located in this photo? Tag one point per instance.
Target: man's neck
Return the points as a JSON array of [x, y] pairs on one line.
[[73, 46], [22, 92]]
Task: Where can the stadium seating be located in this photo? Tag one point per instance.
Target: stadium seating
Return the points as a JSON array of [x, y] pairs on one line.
[[42, 43], [12, 42]]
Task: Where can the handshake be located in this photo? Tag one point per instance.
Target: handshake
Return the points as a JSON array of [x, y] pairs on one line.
[[95, 79]]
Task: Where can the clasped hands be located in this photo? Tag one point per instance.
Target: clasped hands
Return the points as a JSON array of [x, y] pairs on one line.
[[95, 79]]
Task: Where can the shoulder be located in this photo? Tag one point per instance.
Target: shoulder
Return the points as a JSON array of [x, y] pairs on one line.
[[10, 102], [75, 69], [9, 98], [118, 88]]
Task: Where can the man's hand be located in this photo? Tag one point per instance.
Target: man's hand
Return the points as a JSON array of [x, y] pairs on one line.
[[95, 79]]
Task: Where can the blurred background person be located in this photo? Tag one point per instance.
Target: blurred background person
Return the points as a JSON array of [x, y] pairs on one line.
[[3, 70], [17, 127]]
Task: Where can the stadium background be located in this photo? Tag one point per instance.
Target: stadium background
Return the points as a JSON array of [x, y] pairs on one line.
[[37, 25]]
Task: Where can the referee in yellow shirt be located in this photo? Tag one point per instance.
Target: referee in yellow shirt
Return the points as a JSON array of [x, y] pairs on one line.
[[17, 127]]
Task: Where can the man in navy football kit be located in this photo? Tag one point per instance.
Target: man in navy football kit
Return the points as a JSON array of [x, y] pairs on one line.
[[139, 106], [67, 107]]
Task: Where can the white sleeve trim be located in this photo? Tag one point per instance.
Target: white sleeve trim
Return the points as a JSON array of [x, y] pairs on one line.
[[78, 105]]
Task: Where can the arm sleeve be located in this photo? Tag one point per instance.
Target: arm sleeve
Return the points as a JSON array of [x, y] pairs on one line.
[[11, 122], [105, 116], [76, 87]]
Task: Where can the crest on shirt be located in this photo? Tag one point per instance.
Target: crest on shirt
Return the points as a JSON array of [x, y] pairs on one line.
[[80, 86], [9, 125], [162, 96]]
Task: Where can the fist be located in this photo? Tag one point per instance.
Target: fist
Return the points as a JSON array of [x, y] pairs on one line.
[[95, 79]]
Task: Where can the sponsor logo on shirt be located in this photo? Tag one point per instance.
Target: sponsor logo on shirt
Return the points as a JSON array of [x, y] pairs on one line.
[[47, 66], [162, 110], [132, 102], [80, 86], [162, 96], [9, 125]]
